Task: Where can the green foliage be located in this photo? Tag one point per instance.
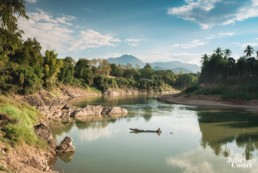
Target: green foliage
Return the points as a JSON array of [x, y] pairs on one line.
[[104, 68], [116, 70], [103, 83], [2, 168], [51, 68], [28, 53], [83, 71], [9, 42], [185, 80], [66, 74], [223, 75], [10, 35], [21, 130], [18, 79], [192, 89], [147, 71]]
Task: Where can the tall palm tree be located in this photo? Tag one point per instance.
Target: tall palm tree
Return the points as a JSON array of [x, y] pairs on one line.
[[204, 58], [249, 50], [227, 53], [218, 51]]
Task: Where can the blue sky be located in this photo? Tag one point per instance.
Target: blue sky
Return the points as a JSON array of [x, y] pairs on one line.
[[153, 30]]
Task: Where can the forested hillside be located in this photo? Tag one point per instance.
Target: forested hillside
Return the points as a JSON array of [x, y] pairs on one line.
[[232, 78], [26, 68]]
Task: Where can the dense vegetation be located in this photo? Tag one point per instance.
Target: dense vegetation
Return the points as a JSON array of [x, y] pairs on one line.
[[223, 75], [17, 121], [24, 69]]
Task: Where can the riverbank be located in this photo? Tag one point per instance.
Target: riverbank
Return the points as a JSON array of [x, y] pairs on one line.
[[23, 149], [214, 101]]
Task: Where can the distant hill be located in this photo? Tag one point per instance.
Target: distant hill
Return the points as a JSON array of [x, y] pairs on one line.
[[175, 66], [175, 70], [126, 59]]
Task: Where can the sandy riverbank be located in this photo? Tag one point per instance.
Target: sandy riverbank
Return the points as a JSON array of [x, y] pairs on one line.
[[215, 101]]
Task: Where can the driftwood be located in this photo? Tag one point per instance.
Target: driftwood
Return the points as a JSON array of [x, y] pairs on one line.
[[145, 131]]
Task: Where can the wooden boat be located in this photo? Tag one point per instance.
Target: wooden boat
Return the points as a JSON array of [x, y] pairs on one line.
[[135, 130]]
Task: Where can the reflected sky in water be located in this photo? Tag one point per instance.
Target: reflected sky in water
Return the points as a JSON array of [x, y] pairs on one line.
[[202, 139]]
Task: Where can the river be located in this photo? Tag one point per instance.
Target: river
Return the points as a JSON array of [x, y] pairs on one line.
[[193, 140]]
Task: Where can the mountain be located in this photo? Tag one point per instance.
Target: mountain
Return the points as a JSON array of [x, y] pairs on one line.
[[126, 59], [175, 70], [176, 66]]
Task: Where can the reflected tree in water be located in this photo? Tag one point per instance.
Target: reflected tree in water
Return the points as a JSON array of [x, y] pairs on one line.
[[220, 128]]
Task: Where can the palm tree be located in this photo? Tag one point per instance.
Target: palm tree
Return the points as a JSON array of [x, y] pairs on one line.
[[227, 53], [249, 50], [257, 54], [205, 58], [218, 51]]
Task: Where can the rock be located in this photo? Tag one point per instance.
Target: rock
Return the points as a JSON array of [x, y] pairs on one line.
[[114, 111], [65, 146], [89, 111], [37, 163], [43, 131], [68, 110]]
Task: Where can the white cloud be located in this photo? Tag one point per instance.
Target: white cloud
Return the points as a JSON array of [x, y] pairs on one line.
[[191, 44], [201, 42], [133, 42], [31, 1], [244, 45], [205, 161], [220, 35], [216, 12], [61, 34], [93, 39]]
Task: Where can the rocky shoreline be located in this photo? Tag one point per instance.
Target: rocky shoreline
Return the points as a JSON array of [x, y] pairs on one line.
[[54, 108], [211, 101]]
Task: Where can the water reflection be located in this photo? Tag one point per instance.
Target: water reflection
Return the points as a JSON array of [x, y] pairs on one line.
[[93, 125], [93, 134], [66, 157], [59, 128], [108, 101], [220, 128], [203, 161], [202, 139]]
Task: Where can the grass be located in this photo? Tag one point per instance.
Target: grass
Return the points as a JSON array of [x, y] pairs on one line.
[[2, 168], [21, 130], [227, 92], [92, 90]]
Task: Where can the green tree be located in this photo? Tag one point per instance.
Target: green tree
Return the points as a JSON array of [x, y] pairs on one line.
[[185, 80], [104, 68], [241, 65], [51, 68], [10, 11], [29, 54], [249, 50], [218, 51], [18, 79], [83, 71], [66, 74], [147, 71], [204, 59], [116, 70], [227, 53]]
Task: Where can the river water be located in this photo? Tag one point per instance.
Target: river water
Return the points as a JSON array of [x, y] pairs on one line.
[[193, 140]]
